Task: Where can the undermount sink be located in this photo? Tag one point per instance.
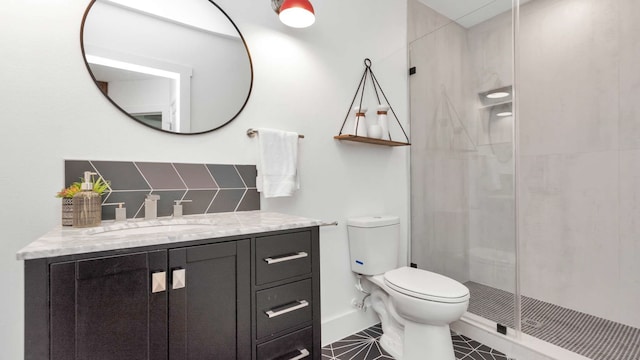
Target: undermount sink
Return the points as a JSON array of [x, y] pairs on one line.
[[154, 229]]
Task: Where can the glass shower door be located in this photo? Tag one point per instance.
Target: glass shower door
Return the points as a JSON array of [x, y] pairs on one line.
[[462, 163]]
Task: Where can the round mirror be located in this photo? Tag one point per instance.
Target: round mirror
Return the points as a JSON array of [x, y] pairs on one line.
[[177, 66]]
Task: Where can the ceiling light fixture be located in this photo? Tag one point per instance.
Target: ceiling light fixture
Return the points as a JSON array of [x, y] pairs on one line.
[[504, 114], [294, 13]]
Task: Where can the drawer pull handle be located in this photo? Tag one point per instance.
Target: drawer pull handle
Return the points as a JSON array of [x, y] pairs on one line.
[[179, 279], [158, 282], [288, 257], [299, 304], [302, 354]]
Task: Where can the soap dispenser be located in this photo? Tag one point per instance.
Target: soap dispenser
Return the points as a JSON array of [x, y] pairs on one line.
[[87, 209]]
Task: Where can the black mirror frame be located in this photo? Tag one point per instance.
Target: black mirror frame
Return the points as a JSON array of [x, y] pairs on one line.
[[244, 104]]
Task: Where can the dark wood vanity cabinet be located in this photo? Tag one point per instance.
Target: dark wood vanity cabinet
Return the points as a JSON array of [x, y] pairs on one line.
[[286, 290], [167, 304], [102, 307], [212, 299]]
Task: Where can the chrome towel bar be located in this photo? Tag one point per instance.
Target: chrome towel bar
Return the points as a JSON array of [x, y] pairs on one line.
[[254, 132]]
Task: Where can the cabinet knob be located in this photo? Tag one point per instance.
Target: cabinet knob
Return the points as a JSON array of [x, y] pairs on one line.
[[178, 279], [158, 282]]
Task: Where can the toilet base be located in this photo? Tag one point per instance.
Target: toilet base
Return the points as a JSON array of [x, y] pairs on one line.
[[423, 341], [405, 339], [392, 342]]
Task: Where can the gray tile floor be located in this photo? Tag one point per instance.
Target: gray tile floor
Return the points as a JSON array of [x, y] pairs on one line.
[[365, 346]]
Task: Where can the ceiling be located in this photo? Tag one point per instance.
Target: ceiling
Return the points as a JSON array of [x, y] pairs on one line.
[[470, 12]]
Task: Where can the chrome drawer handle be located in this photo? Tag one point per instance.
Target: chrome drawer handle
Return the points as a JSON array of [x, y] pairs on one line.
[[276, 260], [303, 354], [299, 304]]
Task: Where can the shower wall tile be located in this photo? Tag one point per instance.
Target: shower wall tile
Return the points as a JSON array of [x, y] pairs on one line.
[[132, 181], [444, 113], [450, 251], [423, 20], [442, 117], [450, 179], [629, 74], [491, 225], [489, 53], [490, 46], [568, 76], [629, 237], [569, 230], [492, 217]]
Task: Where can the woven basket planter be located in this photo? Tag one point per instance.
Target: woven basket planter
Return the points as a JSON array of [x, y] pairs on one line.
[[67, 212]]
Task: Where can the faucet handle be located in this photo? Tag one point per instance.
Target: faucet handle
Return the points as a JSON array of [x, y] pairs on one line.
[[177, 208]]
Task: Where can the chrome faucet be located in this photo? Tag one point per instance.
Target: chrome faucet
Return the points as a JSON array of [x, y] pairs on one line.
[[151, 207], [177, 208]]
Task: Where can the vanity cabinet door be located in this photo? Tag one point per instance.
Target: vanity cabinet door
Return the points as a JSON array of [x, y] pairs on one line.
[[104, 308], [209, 302]]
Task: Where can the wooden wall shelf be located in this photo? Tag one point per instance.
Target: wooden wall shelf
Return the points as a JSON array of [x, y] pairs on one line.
[[360, 115], [368, 140]]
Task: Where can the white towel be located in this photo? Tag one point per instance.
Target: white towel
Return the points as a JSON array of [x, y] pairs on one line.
[[277, 163]]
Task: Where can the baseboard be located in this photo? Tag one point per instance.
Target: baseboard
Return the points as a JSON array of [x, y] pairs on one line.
[[520, 347], [349, 323]]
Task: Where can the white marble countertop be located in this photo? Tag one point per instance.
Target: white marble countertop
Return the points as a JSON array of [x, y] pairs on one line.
[[135, 233]]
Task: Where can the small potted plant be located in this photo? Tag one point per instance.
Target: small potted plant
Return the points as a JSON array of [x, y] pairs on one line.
[[100, 186]]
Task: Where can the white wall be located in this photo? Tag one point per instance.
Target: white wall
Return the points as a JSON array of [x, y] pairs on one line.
[[304, 81]]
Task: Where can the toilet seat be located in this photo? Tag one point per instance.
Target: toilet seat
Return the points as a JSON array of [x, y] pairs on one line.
[[426, 285]]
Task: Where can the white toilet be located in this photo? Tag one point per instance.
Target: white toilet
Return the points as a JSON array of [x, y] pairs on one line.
[[415, 306]]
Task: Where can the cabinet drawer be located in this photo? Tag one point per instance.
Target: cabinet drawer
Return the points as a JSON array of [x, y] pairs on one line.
[[283, 307], [297, 345], [282, 256]]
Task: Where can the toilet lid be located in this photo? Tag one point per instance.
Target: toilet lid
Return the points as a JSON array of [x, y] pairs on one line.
[[426, 285]]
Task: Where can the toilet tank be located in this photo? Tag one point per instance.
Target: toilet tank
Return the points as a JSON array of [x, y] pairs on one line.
[[373, 244]]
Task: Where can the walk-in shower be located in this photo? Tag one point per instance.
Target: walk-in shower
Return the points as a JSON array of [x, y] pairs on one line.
[[531, 197]]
